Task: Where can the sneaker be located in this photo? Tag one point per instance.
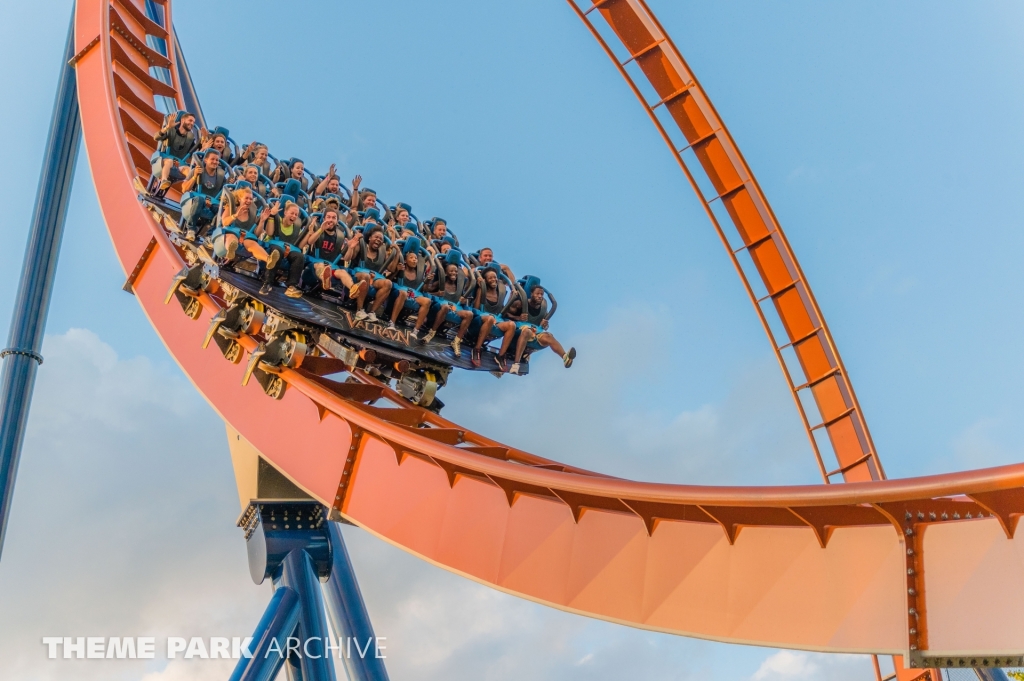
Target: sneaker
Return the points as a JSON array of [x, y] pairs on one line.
[[265, 290], [501, 364], [514, 369], [457, 346], [232, 250], [414, 334], [568, 357], [475, 357], [430, 336], [360, 315], [391, 323], [371, 317], [325, 278], [162, 189], [272, 259], [190, 235], [353, 291], [293, 292]]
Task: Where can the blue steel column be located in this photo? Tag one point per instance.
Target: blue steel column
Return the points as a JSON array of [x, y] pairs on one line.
[[279, 621], [21, 357], [348, 614], [188, 90], [298, 573]]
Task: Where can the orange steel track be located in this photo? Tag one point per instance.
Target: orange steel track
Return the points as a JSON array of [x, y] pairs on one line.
[[926, 567]]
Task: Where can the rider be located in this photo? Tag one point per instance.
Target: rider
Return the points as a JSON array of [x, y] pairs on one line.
[[259, 182], [371, 255], [408, 282], [288, 231], [197, 210], [490, 301], [324, 245], [533, 322], [177, 139], [237, 218], [454, 291]]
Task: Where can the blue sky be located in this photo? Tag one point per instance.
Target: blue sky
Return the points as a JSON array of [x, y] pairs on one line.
[[886, 137]]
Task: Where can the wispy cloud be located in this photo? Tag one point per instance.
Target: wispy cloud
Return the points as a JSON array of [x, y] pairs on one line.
[[124, 517]]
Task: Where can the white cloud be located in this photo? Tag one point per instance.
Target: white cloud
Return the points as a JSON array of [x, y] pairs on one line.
[[788, 665], [123, 524]]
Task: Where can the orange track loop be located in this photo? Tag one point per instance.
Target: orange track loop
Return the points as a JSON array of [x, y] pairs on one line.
[[813, 567], [816, 366]]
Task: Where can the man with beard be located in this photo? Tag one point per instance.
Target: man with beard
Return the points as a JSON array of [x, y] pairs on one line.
[[324, 245], [176, 140]]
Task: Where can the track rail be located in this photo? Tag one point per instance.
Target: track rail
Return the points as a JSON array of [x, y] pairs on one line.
[[814, 567], [690, 126]]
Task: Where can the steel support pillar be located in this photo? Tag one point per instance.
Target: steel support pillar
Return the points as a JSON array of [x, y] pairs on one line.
[[349, 617], [298, 573], [188, 90], [278, 623], [21, 357]]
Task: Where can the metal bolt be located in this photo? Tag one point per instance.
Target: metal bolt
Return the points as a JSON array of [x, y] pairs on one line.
[[945, 516], [913, 632], [920, 516], [913, 646], [910, 571], [907, 515], [968, 516], [910, 552], [931, 516], [910, 531], [956, 516], [912, 591], [912, 611]]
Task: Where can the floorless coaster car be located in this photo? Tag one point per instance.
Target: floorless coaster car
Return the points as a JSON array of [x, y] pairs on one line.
[[311, 329]]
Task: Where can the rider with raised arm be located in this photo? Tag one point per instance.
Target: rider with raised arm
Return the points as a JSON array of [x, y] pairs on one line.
[[238, 217], [532, 323], [331, 184], [287, 231], [325, 244], [176, 140]]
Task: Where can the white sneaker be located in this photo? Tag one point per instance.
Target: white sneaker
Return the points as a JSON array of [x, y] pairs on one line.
[[414, 334], [190, 235], [371, 317], [430, 335], [514, 369], [360, 315]]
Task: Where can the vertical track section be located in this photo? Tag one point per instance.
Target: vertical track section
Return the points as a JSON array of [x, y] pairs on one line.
[[145, 78], [21, 358], [718, 173]]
